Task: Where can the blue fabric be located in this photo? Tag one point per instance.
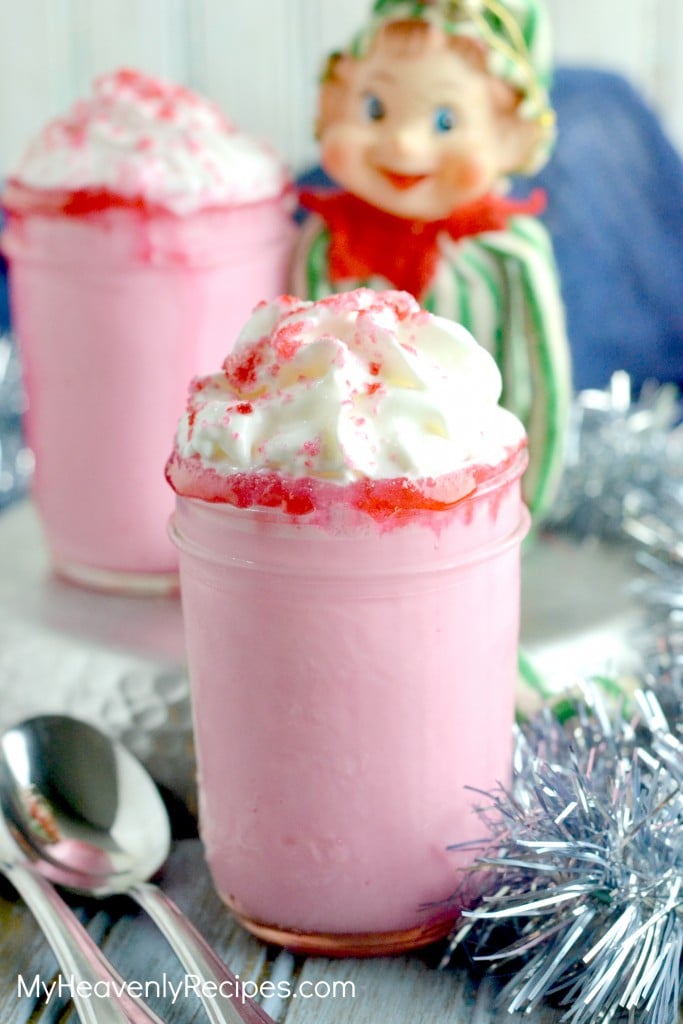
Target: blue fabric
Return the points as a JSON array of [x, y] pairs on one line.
[[615, 213]]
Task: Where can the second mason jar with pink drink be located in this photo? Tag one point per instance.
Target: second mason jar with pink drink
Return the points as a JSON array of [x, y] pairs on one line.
[[349, 521], [140, 226]]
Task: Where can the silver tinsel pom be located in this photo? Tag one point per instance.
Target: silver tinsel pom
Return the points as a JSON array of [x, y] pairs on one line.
[[583, 872], [584, 900], [624, 466]]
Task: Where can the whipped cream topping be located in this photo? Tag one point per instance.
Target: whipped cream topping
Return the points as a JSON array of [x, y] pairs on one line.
[[359, 385], [140, 137]]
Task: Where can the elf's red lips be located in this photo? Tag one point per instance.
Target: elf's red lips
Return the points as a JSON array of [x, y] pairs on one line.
[[402, 182]]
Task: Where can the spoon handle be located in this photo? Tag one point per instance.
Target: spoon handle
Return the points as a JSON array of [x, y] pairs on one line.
[[97, 990], [218, 988]]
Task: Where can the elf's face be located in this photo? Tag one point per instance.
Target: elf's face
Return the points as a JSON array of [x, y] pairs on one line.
[[421, 134]]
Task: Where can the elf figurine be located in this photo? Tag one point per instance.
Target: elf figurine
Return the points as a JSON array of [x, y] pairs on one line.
[[421, 121]]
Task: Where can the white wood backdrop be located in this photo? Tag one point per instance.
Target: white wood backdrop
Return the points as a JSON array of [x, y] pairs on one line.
[[259, 58]]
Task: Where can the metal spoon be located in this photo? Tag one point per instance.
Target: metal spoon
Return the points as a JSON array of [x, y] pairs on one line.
[[106, 999], [92, 820]]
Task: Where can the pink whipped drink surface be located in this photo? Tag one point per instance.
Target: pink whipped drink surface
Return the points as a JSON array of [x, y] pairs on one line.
[[351, 634], [138, 244]]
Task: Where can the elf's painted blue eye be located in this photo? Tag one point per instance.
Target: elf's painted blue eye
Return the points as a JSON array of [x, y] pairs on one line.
[[373, 107], [444, 119]]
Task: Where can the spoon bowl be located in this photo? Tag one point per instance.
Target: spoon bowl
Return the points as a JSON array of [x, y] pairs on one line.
[[89, 817], [82, 805]]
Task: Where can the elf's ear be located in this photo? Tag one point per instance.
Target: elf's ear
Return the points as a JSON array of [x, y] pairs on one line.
[[472, 50], [517, 138], [334, 90]]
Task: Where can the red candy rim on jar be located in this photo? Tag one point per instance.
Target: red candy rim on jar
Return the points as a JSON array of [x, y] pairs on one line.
[[393, 498], [20, 200]]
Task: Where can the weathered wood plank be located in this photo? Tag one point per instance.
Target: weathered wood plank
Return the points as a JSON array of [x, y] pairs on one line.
[[23, 953], [615, 34], [36, 79], [668, 71], [404, 990], [125, 33], [244, 65]]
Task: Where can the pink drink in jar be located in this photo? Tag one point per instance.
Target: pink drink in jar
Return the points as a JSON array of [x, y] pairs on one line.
[[352, 634], [139, 227]]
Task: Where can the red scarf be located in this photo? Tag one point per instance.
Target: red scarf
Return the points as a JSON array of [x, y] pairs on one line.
[[366, 241]]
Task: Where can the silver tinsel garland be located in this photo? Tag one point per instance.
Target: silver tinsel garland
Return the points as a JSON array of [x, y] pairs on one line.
[[584, 902], [624, 467], [584, 868]]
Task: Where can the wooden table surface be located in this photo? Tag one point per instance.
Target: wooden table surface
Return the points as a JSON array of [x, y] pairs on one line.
[[396, 990]]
